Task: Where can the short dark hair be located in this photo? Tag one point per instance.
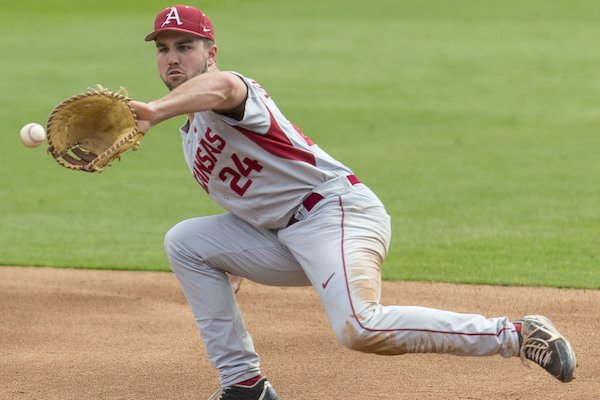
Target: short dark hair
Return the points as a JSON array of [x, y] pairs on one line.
[[207, 42]]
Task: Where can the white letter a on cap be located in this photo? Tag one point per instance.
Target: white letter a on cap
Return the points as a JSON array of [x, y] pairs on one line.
[[172, 15]]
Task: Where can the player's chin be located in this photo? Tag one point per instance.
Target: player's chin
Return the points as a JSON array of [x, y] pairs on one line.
[[172, 81]]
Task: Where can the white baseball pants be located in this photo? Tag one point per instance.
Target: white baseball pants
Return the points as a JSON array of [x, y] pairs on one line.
[[338, 248]]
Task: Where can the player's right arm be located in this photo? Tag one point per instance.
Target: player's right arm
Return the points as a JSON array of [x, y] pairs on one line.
[[220, 91]]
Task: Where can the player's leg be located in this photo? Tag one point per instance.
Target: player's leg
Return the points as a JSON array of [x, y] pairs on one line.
[[200, 251], [341, 245]]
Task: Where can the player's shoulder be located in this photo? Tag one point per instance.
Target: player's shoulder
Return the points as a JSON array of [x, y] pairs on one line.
[[239, 75], [250, 82]]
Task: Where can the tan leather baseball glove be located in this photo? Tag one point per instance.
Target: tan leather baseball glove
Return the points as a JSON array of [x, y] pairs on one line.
[[89, 130]]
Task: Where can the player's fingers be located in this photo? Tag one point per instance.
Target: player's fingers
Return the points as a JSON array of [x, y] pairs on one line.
[[143, 110], [145, 114]]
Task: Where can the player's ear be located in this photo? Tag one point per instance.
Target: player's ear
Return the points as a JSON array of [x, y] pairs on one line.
[[212, 54]]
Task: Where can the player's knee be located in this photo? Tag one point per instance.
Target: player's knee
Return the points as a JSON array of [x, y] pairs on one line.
[[354, 338], [177, 244], [172, 241], [361, 334]]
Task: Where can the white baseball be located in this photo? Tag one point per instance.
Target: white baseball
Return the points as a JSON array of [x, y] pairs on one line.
[[32, 135]]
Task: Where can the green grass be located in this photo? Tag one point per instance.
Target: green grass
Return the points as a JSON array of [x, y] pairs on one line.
[[475, 121]]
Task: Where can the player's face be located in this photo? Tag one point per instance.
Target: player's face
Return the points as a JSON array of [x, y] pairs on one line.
[[181, 56]]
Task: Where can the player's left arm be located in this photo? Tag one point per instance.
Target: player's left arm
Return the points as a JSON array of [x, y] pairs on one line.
[[220, 91]]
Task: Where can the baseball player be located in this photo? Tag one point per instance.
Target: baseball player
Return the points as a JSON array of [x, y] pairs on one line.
[[295, 216]]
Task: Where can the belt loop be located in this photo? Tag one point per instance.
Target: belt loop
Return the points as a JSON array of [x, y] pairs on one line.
[[311, 201]]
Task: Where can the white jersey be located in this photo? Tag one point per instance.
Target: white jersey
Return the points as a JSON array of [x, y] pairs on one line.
[[259, 168]]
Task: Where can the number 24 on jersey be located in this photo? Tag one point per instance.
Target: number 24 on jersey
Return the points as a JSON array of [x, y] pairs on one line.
[[242, 169]]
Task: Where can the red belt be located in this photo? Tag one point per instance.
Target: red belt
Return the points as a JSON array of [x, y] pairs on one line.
[[312, 199]]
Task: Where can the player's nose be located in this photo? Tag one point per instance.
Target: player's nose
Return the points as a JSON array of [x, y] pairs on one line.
[[172, 58]]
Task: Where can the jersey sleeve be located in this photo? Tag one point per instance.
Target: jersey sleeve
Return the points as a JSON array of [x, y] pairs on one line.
[[256, 114]]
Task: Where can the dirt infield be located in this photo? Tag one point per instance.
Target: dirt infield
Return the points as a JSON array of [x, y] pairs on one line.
[[77, 334]]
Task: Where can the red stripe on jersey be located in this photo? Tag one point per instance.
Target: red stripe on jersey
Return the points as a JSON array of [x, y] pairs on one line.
[[355, 315], [306, 138], [276, 142]]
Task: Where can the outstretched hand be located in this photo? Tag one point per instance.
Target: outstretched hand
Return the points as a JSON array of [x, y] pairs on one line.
[[146, 115]]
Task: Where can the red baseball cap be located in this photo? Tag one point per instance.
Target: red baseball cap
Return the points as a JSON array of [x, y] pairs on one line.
[[184, 19]]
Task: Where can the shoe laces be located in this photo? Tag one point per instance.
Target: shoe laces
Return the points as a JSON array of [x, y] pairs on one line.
[[535, 349]]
